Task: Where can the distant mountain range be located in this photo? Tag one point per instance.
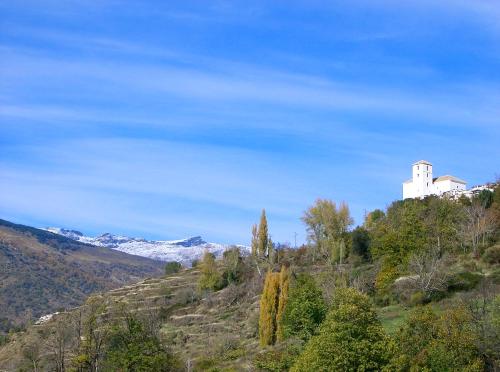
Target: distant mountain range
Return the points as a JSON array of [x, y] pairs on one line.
[[183, 251]]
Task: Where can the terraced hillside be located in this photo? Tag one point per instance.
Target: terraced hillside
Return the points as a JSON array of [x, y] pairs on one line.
[[42, 272], [208, 329]]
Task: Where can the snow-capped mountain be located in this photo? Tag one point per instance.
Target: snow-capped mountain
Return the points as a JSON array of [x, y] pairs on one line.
[[183, 251]]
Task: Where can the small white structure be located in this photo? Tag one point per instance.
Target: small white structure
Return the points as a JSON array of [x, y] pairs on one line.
[[423, 184]]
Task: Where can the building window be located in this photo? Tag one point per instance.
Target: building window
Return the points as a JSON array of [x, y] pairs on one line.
[[427, 184]]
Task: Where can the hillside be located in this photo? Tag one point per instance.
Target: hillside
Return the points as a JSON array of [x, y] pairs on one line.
[[416, 287], [43, 272], [218, 328]]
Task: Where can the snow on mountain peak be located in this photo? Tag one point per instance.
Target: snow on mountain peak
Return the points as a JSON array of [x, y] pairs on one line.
[[183, 250]]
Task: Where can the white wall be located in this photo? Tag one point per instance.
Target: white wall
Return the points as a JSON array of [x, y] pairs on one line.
[[408, 191]]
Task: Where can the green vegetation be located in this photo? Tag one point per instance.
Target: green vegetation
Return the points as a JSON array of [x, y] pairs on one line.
[[172, 267], [350, 339], [415, 288], [210, 278], [305, 309], [135, 346]]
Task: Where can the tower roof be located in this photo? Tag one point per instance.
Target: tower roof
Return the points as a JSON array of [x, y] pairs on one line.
[[422, 162]]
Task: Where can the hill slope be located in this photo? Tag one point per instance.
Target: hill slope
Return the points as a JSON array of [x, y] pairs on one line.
[[43, 272]]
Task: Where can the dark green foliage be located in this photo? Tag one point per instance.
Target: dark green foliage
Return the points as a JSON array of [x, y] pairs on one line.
[[361, 242], [350, 339], [132, 347], [485, 198], [464, 281], [172, 267], [305, 309], [492, 255]]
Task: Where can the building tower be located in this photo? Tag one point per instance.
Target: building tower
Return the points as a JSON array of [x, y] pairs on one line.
[[422, 178]]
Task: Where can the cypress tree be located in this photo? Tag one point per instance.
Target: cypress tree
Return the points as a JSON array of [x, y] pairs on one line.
[[268, 309], [283, 299], [263, 236]]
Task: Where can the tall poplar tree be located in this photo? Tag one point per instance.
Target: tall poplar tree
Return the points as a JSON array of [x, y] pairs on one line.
[[263, 235], [255, 240]]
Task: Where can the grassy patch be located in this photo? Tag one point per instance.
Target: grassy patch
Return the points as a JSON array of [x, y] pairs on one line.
[[392, 317]]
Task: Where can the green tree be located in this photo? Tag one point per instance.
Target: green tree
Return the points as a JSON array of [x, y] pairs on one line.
[[305, 309], [132, 347], [255, 240], [373, 218], [172, 267], [210, 277], [263, 236], [327, 228], [361, 242], [350, 339], [92, 333], [233, 265], [428, 342]]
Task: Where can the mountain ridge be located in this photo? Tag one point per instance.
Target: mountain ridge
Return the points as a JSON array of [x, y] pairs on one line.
[[184, 251]]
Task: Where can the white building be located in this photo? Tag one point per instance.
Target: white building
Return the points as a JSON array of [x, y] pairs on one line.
[[423, 184]]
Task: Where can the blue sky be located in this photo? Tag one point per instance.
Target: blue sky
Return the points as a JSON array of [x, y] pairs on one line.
[[168, 119]]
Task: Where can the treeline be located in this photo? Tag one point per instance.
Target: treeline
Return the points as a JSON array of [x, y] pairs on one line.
[[414, 255]]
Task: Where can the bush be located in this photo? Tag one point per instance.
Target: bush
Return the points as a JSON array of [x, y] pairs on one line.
[[430, 342], [492, 255], [210, 278], [495, 276], [305, 309], [172, 267], [464, 281], [350, 339], [280, 358], [417, 298]]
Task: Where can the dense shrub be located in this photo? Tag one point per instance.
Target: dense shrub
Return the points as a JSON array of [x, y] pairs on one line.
[[492, 255], [278, 359], [428, 342], [172, 267], [350, 339], [134, 347], [210, 278], [305, 309], [464, 281]]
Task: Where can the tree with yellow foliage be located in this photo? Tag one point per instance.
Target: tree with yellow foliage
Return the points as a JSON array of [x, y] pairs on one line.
[[283, 299]]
